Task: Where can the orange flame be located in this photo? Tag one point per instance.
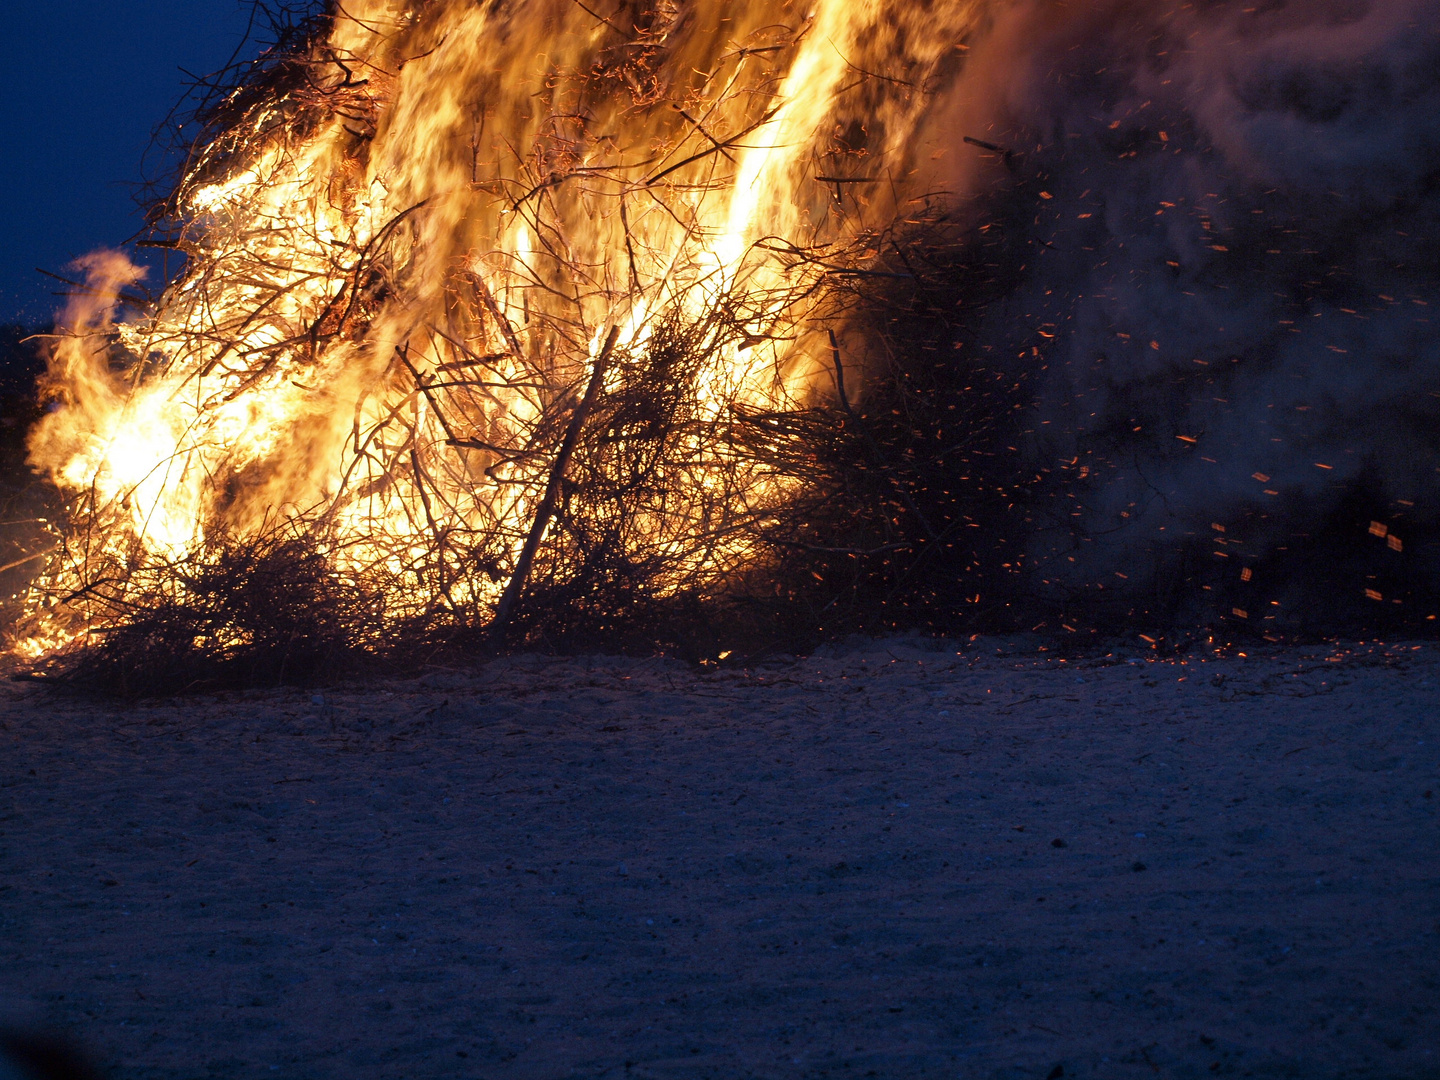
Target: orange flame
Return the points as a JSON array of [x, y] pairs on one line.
[[401, 263]]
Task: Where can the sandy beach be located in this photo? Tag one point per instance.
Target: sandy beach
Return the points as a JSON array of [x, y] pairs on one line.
[[904, 859]]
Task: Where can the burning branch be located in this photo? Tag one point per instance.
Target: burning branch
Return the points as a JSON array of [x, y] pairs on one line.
[[506, 608]]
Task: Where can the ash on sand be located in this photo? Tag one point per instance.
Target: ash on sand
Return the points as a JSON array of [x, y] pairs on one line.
[[902, 859]]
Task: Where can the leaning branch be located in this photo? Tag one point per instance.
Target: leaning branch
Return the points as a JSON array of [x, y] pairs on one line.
[[516, 586]]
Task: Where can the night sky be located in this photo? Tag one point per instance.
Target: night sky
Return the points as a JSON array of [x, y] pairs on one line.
[[89, 81]]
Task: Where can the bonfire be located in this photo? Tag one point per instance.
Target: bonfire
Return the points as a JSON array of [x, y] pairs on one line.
[[413, 236], [540, 322]]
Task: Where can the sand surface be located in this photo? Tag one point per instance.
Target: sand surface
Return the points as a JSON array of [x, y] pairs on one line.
[[896, 862]]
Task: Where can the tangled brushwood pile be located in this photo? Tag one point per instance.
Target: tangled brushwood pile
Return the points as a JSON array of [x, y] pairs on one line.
[[255, 610], [706, 326]]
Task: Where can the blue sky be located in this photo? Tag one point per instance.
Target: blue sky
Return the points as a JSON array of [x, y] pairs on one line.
[[89, 81]]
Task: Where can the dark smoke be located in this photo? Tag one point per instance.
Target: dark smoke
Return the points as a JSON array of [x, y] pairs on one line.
[[1228, 215]]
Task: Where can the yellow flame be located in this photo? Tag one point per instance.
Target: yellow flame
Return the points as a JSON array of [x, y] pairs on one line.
[[399, 268]]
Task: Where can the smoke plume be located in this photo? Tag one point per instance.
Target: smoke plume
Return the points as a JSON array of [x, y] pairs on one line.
[[1228, 216]]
